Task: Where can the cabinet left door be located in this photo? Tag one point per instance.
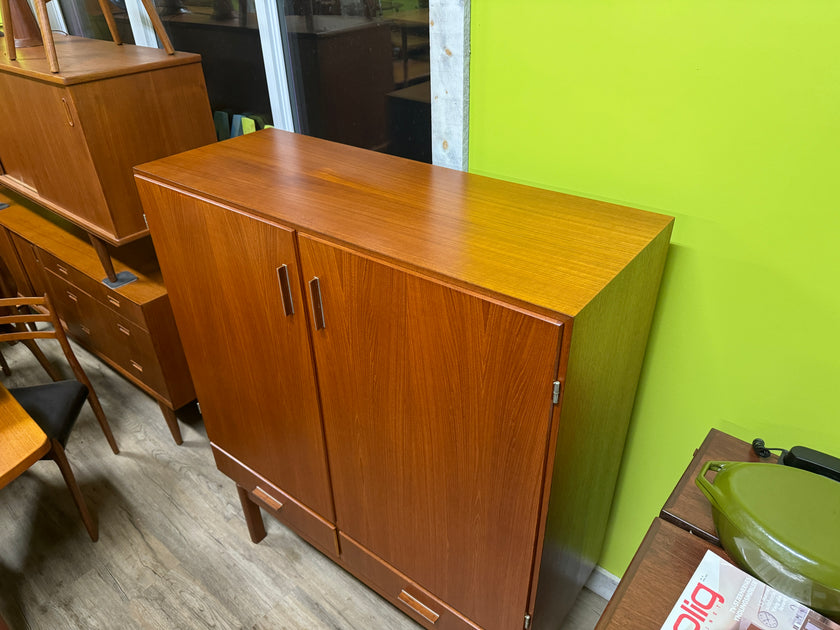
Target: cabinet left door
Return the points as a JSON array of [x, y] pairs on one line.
[[43, 147], [234, 285]]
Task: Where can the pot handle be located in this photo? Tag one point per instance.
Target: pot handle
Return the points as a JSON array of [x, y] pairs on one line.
[[714, 495]]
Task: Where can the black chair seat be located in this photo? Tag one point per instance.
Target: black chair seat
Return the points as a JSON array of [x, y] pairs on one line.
[[54, 406]]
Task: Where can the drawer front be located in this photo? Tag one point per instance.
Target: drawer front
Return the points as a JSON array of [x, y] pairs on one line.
[[79, 319], [94, 288], [413, 600], [104, 332], [314, 529]]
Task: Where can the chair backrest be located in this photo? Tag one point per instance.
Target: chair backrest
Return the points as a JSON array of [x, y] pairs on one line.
[[17, 312]]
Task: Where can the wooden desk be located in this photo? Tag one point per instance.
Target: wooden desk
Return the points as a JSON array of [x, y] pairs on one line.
[[22, 442], [674, 544], [687, 507], [656, 577]]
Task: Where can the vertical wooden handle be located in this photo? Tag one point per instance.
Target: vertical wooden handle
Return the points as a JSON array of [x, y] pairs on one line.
[[417, 606], [317, 305], [68, 113], [285, 290]]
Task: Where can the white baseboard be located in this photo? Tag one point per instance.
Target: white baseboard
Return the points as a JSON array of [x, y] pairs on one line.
[[602, 583]]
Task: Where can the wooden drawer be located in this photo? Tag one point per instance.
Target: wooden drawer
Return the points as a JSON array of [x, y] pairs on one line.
[[410, 598], [94, 288], [314, 529], [106, 333]]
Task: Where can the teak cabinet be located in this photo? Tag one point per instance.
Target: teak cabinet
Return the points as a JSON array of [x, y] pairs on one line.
[[427, 374], [68, 140]]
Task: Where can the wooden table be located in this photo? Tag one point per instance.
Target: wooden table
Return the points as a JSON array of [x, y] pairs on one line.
[[674, 544], [22, 442]]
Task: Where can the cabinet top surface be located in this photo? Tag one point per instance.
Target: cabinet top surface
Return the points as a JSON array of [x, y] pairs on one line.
[[543, 248], [82, 60]]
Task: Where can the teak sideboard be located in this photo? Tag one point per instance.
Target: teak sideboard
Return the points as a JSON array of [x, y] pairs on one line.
[[427, 374]]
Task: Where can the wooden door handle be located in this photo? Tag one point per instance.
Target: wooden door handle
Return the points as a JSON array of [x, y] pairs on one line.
[[266, 498], [419, 607], [285, 290], [317, 304]]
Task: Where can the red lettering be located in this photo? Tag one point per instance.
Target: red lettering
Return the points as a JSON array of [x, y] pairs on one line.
[[704, 597]]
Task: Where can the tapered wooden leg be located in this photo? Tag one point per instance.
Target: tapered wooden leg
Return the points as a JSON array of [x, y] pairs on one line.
[[57, 453], [253, 516], [172, 423], [8, 32], [93, 399], [46, 34], [105, 6]]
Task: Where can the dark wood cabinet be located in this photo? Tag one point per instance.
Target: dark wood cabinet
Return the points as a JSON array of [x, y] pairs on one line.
[[446, 363]]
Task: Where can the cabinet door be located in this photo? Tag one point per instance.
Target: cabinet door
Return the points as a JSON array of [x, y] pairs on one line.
[[436, 408], [248, 351], [42, 145]]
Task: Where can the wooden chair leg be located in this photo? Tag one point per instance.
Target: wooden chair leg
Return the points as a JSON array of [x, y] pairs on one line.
[[158, 26], [6, 370], [253, 516], [57, 453], [8, 32], [172, 423], [105, 6], [93, 399], [46, 33]]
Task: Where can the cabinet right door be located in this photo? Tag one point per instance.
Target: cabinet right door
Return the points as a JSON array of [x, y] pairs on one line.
[[437, 405]]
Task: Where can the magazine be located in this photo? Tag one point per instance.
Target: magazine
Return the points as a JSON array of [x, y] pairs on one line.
[[720, 596]]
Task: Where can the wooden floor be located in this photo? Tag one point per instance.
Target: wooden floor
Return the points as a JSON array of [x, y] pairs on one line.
[[174, 551]]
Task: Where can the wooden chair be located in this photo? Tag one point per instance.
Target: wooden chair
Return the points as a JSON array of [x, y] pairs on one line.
[[23, 441], [47, 403], [18, 10]]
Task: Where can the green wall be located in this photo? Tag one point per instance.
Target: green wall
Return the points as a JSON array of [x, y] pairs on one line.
[[726, 115]]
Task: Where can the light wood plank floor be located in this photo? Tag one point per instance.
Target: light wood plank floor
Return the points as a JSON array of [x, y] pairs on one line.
[[174, 551]]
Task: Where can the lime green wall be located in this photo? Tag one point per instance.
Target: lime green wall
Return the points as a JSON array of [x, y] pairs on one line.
[[726, 115]]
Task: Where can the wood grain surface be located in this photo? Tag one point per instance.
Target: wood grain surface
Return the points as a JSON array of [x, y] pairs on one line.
[[436, 409], [82, 59], [548, 250], [652, 584], [251, 364], [22, 442]]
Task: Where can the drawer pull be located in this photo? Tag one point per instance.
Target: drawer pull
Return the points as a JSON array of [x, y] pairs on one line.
[[68, 113], [124, 330], [114, 301], [85, 329], [72, 297], [421, 609], [317, 305], [136, 365], [62, 269], [285, 290], [263, 496]]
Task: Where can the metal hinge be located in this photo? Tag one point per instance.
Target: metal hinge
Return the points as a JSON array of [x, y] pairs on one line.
[[527, 621], [198, 406], [145, 220], [555, 394]]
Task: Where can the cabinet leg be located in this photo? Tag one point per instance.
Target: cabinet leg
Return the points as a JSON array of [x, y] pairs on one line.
[[253, 516], [113, 279], [172, 423]]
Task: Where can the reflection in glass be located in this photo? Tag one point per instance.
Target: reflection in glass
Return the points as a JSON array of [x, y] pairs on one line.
[[226, 35], [360, 72], [84, 19]]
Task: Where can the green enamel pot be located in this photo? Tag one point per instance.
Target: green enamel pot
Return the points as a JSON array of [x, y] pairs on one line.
[[782, 525]]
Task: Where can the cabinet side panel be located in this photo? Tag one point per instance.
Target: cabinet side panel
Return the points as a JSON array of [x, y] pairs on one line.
[[137, 118], [251, 364], [608, 343], [436, 408]]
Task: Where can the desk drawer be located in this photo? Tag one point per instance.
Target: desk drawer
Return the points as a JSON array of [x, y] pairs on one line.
[[94, 288], [108, 334], [317, 531], [416, 602]]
